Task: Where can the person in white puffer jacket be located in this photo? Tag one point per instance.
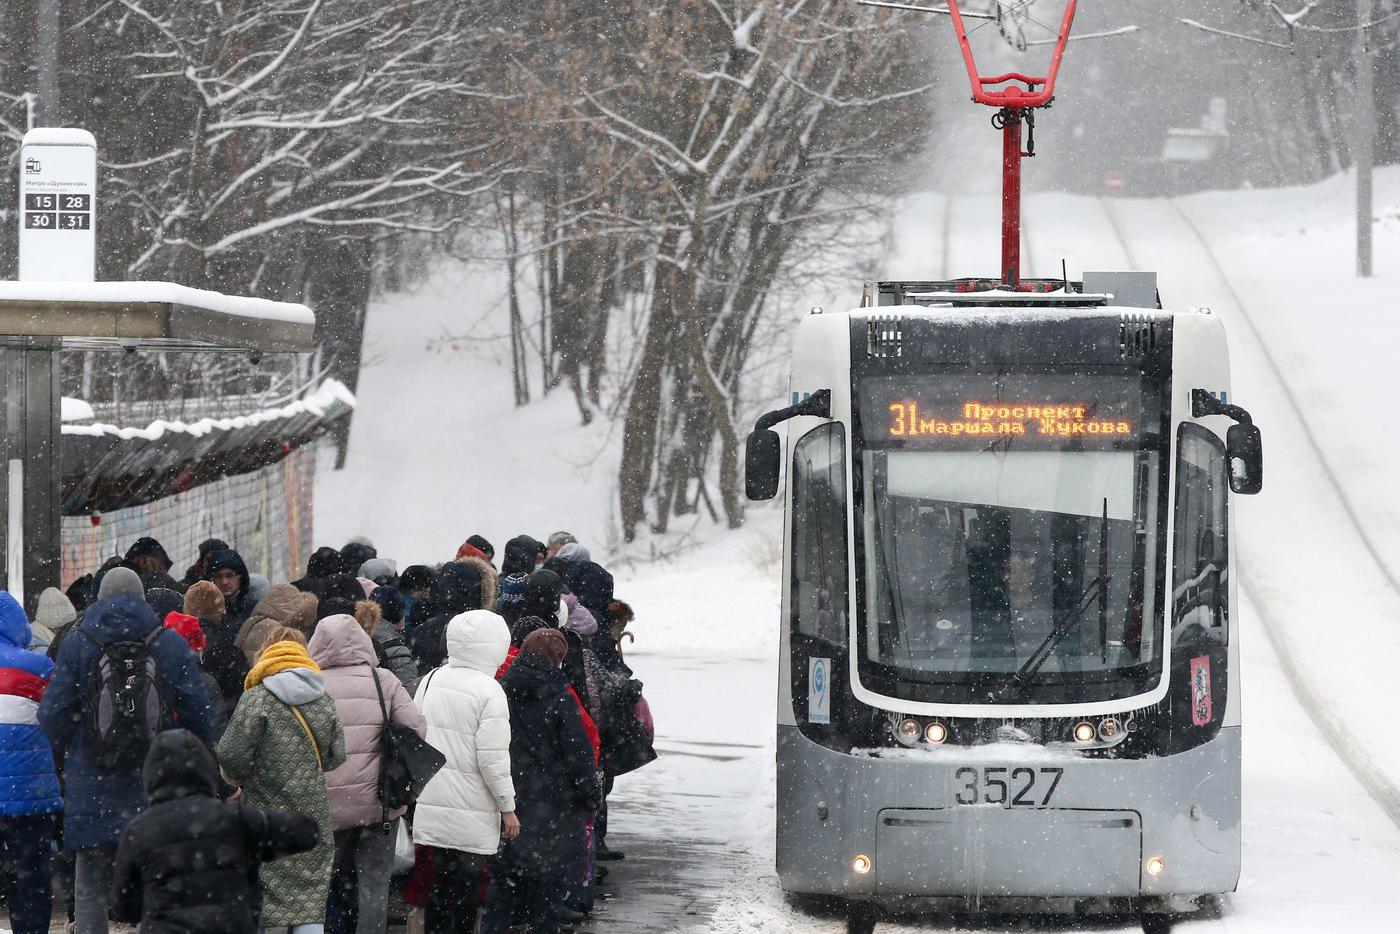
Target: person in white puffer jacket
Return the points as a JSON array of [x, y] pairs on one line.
[[469, 805]]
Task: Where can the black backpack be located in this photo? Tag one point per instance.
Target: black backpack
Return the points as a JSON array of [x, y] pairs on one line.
[[122, 707]]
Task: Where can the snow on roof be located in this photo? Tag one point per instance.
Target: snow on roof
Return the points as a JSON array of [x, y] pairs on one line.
[[75, 410], [155, 293], [59, 136], [323, 399]]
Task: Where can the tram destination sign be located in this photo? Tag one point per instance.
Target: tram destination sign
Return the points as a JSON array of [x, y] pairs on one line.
[[909, 420], [1039, 410]]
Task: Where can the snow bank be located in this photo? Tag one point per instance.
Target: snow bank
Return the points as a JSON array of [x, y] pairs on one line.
[[74, 410]]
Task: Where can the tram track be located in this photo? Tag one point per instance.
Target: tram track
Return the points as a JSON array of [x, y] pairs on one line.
[[1348, 747], [1348, 507]]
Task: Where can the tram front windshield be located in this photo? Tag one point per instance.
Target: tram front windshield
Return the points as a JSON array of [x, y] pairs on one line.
[[1009, 529]]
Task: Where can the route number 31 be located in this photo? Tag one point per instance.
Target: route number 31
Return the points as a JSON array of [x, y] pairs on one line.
[[1008, 787]]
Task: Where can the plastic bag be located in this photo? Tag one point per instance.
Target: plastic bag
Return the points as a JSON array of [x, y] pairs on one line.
[[403, 848]]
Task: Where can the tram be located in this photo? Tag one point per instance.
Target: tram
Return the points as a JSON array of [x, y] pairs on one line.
[[1008, 669]]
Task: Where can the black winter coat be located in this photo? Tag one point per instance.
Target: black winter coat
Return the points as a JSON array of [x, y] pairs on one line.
[[224, 660], [551, 763], [219, 707], [458, 589], [188, 865]]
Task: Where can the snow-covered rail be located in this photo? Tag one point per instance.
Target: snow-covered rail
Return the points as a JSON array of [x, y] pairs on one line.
[[1204, 275]]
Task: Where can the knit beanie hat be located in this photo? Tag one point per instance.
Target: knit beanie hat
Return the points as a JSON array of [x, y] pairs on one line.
[[204, 601], [512, 597], [379, 569], [548, 644], [525, 627], [187, 627], [55, 610], [468, 550], [120, 582]]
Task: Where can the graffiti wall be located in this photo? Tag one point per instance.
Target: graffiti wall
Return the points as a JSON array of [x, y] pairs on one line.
[[265, 514]]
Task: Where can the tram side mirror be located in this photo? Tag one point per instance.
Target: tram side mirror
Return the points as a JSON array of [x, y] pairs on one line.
[[1244, 450], [763, 457]]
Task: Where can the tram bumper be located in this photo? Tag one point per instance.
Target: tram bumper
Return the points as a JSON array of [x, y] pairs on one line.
[[1107, 825]]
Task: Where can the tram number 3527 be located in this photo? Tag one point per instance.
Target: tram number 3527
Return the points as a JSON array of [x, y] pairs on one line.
[[1008, 787]]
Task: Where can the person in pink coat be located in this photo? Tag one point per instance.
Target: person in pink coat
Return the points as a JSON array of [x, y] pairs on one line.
[[364, 830]]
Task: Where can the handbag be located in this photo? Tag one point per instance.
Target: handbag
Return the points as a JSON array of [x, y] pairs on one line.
[[407, 762]]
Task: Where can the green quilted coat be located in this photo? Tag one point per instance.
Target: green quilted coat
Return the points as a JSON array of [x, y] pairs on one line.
[[266, 752]]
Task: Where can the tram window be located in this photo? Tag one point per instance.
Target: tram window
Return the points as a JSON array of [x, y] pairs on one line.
[[819, 535], [975, 559], [1200, 579]]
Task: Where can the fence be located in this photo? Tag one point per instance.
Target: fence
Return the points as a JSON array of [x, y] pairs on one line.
[[265, 515]]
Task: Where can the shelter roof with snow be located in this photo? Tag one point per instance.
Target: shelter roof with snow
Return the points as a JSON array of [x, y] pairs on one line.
[[106, 467], [98, 315]]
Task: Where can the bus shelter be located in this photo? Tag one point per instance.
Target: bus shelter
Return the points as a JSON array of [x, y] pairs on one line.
[[41, 319]]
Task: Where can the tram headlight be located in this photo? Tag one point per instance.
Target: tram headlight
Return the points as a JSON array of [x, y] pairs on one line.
[[935, 733], [1084, 733], [1156, 865], [1109, 729], [861, 864], [908, 731]]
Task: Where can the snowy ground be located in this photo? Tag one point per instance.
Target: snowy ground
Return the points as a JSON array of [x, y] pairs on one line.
[[438, 453]]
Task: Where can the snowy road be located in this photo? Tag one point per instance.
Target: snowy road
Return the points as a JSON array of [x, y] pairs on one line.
[[1319, 853]]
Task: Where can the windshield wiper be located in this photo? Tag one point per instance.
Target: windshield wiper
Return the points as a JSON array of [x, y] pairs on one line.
[[1017, 684], [1057, 635]]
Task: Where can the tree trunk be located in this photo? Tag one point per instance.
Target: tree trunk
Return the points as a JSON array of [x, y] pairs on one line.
[[644, 404]]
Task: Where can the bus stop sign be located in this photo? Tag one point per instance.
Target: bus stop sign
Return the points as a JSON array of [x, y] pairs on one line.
[[58, 205]]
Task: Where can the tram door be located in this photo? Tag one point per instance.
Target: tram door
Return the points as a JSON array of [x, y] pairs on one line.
[[819, 624], [1200, 606]]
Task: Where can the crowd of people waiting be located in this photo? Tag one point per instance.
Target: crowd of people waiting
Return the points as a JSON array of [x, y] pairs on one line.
[[209, 754]]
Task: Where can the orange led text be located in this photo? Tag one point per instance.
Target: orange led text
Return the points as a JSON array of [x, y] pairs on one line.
[[1003, 419]]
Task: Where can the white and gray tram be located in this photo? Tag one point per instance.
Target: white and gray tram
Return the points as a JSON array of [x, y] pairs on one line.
[[1009, 666]]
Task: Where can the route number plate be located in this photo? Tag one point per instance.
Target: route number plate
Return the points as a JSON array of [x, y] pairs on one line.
[[1018, 787]]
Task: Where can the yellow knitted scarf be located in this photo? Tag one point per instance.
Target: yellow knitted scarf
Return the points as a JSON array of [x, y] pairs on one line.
[[280, 656]]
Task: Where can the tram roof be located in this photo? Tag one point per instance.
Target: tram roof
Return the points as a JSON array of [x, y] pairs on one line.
[[1096, 290]]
